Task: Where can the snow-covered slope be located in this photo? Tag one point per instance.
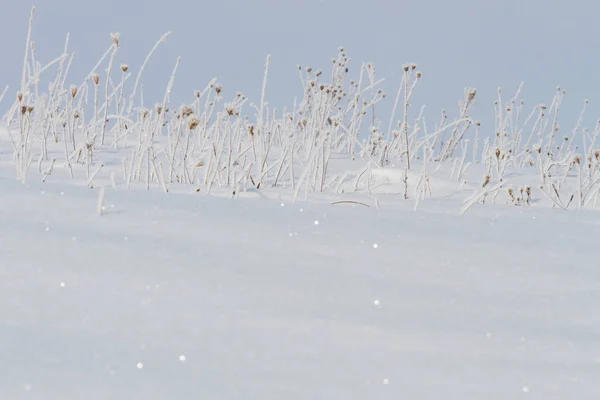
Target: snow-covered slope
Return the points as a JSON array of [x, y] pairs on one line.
[[191, 297], [224, 249]]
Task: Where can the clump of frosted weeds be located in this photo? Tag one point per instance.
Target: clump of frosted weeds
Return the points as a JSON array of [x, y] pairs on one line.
[[220, 142]]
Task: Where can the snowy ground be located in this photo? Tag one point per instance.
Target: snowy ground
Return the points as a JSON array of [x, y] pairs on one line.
[[272, 300], [227, 288]]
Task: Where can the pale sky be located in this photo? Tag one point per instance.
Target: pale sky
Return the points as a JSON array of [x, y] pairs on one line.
[[476, 43]]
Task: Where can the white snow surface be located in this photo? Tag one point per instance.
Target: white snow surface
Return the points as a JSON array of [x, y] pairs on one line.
[[184, 296]]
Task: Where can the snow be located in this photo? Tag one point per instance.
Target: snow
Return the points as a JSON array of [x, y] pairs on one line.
[[202, 251], [186, 296]]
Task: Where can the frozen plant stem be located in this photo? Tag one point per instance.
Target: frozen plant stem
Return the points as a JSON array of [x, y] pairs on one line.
[[115, 38], [100, 207], [27, 44]]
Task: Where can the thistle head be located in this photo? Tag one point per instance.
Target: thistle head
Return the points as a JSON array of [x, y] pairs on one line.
[[193, 123], [115, 38]]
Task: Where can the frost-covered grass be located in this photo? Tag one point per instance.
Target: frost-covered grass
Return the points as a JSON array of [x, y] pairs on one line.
[[331, 140]]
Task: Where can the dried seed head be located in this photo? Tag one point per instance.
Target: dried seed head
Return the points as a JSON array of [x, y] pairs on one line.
[[23, 110], [413, 67], [193, 123], [497, 153], [159, 109], [186, 111], [419, 75], [20, 97], [73, 91], [218, 89], [230, 109], [471, 94], [406, 68], [76, 115], [124, 67], [115, 38], [597, 154], [96, 79], [486, 180], [29, 109], [251, 130], [577, 160]]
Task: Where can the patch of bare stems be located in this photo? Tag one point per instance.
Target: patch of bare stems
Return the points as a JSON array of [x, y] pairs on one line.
[[221, 140]]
